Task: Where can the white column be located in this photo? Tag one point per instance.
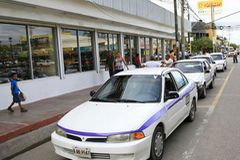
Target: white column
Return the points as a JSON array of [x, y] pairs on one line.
[[96, 51], [59, 48], [121, 46]]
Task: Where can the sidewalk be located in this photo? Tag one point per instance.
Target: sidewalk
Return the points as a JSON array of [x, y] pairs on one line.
[[40, 114]]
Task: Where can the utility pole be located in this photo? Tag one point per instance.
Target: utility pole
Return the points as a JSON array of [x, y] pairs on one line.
[[182, 46], [212, 25], [176, 28], [189, 35]]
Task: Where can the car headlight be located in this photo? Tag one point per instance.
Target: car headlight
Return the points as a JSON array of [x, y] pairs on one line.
[[119, 138], [60, 132]]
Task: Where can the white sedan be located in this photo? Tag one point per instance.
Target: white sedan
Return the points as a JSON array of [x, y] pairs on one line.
[[198, 70], [129, 117], [220, 61]]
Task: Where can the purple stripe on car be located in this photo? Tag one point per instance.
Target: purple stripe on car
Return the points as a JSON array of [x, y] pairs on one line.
[[148, 123]]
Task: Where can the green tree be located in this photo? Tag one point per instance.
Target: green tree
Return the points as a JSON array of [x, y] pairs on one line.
[[203, 44], [234, 45]]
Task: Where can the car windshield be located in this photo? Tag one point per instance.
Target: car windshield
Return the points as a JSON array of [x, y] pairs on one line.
[[190, 67], [130, 89], [207, 58], [217, 57]]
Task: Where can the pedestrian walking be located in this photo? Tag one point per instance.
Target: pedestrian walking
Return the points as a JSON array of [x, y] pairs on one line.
[[152, 63], [119, 61], [110, 64], [16, 93], [235, 57]]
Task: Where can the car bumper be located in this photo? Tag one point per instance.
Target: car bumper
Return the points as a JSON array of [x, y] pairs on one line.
[[135, 150], [220, 67]]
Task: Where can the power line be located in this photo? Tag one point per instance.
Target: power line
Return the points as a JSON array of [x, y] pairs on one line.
[[226, 16]]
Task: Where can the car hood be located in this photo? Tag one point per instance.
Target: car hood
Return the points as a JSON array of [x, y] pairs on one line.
[[196, 77], [99, 117]]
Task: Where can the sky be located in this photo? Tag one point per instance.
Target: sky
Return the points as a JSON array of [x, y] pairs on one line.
[[229, 6]]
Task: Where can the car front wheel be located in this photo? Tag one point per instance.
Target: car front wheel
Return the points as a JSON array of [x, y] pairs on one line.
[[192, 112], [157, 146], [203, 92]]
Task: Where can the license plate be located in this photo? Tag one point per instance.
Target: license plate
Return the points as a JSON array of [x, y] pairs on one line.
[[82, 152]]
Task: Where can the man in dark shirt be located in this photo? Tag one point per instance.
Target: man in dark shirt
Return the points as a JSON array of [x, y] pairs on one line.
[[110, 64]]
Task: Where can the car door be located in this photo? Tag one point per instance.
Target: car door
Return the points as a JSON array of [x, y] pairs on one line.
[[207, 72], [173, 106], [182, 83]]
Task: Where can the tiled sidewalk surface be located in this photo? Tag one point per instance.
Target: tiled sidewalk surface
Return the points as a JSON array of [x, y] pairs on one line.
[[40, 114]]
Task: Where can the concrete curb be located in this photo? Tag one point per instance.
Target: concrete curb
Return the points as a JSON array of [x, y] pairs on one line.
[[22, 143], [30, 128]]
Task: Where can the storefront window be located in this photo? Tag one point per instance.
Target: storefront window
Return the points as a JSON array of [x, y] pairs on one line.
[[70, 52], [115, 43], [86, 50], [107, 42], [14, 54], [142, 47], [130, 48], [127, 49], [147, 44], [159, 49], [103, 47], [134, 44], [43, 51]]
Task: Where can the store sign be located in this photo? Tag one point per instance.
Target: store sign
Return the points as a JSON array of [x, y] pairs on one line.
[[210, 3]]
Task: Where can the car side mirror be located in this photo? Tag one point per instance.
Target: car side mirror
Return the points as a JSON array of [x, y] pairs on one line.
[[92, 93], [214, 62], [206, 70], [172, 95]]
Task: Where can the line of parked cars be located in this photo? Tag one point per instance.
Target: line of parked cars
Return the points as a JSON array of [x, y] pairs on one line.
[[202, 69], [135, 111]]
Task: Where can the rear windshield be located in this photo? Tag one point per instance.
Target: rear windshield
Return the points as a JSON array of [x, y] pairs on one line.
[[190, 67]]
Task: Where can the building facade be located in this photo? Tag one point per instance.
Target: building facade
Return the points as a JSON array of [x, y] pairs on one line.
[[60, 46]]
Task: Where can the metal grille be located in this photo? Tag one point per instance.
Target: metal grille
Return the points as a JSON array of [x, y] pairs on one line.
[[100, 156], [96, 140], [73, 137]]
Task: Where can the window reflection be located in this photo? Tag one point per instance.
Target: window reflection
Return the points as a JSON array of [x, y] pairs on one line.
[[147, 45], [143, 51], [14, 55], [70, 53], [86, 49], [43, 51], [130, 48], [107, 42], [103, 47]]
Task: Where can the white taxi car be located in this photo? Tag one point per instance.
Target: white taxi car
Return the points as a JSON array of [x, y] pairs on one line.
[[198, 70], [220, 61], [129, 117], [210, 60]]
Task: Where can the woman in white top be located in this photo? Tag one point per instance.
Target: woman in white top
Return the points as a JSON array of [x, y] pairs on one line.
[[119, 60]]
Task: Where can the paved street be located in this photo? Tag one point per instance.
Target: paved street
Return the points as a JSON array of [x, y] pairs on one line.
[[214, 135]]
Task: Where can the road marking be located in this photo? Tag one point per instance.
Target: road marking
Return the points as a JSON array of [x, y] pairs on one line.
[[204, 106], [187, 155]]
